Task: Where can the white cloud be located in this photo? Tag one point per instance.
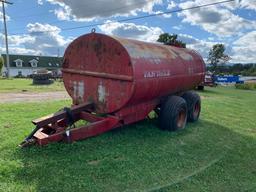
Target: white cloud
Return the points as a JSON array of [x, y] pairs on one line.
[[42, 39], [249, 40], [248, 4], [201, 46], [244, 48], [177, 27], [216, 19], [47, 38], [90, 10], [20, 51], [171, 5], [63, 13], [17, 40], [167, 15], [40, 2], [161, 14], [240, 51], [131, 30], [6, 17]]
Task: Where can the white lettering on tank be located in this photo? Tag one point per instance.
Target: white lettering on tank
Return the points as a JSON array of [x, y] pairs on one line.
[[152, 74]]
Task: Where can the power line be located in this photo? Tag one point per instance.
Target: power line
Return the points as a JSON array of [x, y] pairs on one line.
[[137, 18], [88, 14]]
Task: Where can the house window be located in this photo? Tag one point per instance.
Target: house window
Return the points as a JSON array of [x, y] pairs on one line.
[[18, 62], [33, 62]]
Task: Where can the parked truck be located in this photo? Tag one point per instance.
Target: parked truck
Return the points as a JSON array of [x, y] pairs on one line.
[[115, 81]]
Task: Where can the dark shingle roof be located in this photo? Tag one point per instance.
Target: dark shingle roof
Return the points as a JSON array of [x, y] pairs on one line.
[[43, 61]]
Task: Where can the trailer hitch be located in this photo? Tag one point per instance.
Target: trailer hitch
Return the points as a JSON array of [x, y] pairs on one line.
[[58, 126]]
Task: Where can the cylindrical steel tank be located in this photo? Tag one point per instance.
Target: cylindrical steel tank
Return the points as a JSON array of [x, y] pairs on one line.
[[114, 72]]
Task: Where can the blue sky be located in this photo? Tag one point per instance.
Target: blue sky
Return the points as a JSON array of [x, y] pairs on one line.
[[39, 26]]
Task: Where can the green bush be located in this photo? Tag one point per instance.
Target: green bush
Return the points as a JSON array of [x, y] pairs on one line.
[[246, 86]]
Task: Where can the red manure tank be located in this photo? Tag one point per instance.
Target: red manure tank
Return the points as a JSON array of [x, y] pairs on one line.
[[123, 79]]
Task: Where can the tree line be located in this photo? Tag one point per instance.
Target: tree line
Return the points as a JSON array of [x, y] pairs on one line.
[[235, 69]]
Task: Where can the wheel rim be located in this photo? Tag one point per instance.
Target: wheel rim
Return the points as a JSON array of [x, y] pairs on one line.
[[196, 110], [181, 119]]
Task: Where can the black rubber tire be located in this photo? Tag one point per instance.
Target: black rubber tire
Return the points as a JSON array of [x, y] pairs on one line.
[[193, 105], [173, 114]]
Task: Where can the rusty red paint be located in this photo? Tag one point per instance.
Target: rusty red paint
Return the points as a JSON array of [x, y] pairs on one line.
[[121, 78], [115, 73], [75, 134]]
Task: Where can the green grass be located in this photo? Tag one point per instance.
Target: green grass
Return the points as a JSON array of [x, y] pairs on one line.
[[218, 153], [246, 86], [19, 85]]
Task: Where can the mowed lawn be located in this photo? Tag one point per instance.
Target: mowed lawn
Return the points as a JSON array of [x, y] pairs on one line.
[[218, 153], [21, 85]]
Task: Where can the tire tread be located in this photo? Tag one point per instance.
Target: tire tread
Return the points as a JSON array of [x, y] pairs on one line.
[[168, 112]]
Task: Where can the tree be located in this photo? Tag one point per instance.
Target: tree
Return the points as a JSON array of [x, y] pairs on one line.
[[217, 56], [1, 64], [169, 39]]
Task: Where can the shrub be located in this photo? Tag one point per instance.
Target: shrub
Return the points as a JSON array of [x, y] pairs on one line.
[[246, 86]]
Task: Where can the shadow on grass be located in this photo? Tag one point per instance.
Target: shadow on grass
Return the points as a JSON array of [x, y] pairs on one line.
[[135, 157], [211, 91], [41, 85]]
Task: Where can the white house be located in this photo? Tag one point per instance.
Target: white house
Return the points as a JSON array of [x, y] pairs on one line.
[[24, 65]]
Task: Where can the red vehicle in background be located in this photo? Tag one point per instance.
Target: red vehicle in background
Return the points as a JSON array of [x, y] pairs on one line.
[[208, 81]]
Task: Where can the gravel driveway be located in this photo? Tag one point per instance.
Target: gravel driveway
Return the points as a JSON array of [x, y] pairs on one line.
[[33, 97]]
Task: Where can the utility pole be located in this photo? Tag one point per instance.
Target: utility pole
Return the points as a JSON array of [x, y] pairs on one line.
[[6, 37]]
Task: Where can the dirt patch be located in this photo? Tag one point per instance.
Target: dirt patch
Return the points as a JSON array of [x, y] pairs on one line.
[[203, 97], [33, 97], [94, 162], [7, 125]]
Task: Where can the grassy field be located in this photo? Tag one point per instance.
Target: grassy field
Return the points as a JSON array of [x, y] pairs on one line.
[[218, 153], [19, 85]]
